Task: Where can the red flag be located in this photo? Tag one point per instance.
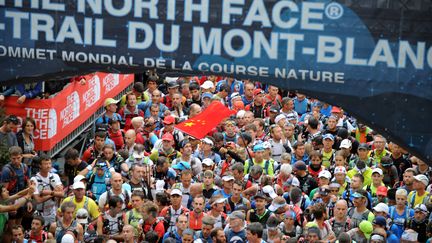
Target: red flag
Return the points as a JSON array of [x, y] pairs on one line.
[[204, 122]]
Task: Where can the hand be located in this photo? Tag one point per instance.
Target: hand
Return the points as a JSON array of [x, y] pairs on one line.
[[21, 99], [29, 207], [2, 98], [223, 150]]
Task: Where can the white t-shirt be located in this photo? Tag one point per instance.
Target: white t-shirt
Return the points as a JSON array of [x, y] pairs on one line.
[[48, 207], [125, 194]]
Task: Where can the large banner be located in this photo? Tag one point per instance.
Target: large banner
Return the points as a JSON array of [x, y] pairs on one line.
[[60, 115], [372, 57]]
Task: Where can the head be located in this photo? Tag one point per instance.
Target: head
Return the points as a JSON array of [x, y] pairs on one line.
[[115, 204], [187, 236], [72, 157], [11, 123], [18, 233], [360, 202], [128, 232], [408, 176], [15, 155], [254, 232], [99, 140], [218, 235], [207, 225], [340, 209], [137, 199], [379, 142], [67, 210], [357, 181], [29, 125], [182, 222], [130, 136], [116, 181], [131, 99], [37, 224], [401, 197], [194, 110], [45, 163]]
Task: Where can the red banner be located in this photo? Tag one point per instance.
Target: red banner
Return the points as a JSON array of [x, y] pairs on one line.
[[67, 110]]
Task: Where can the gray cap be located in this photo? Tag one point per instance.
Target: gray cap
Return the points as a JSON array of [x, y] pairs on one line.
[[237, 215]]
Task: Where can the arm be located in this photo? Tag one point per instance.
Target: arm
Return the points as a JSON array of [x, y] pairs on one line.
[[80, 235], [19, 203], [99, 225]]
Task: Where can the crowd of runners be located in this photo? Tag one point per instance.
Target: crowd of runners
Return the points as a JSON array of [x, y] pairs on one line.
[[284, 168]]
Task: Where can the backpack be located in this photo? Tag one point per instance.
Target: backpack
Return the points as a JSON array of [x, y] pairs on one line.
[[407, 215], [167, 218], [61, 231], [126, 201], [13, 182], [43, 184], [266, 166]]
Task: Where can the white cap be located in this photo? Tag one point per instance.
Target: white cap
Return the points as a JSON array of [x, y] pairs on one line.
[[207, 85], [176, 191], [346, 143], [208, 141], [381, 207], [325, 174], [138, 155], [82, 216], [279, 117], [340, 169], [68, 238], [78, 185], [171, 79], [377, 170], [269, 190], [240, 114], [208, 162], [422, 178], [219, 200], [228, 178], [79, 178]]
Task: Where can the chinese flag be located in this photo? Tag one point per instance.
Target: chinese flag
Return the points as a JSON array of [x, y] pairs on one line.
[[204, 122]]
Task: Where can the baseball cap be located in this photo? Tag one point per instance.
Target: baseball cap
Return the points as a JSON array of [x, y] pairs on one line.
[[377, 170], [270, 191], [366, 228], [172, 84], [334, 185], [325, 174], [169, 120], [363, 146], [167, 137], [340, 169], [409, 235], [79, 178], [279, 117], [208, 162], [324, 190], [381, 191], [422, 178], [207, 85], [176, 191], [266, 145], [382, 208], [82, 216], [293, 181], [277, 203], [258, 147], [78, 185], [228, 178], [67, 238], [217, 200], [300, 165], [182, 166], [138, 154], [258, 92], [235, 95], [335, 109], [328, 136], [208, 141], [207, 95], [346, 143], [421, 207], [138, 87], [380, 220], [274, 109], [260, 195], [110, 101], [237, 215], [357, 195]]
